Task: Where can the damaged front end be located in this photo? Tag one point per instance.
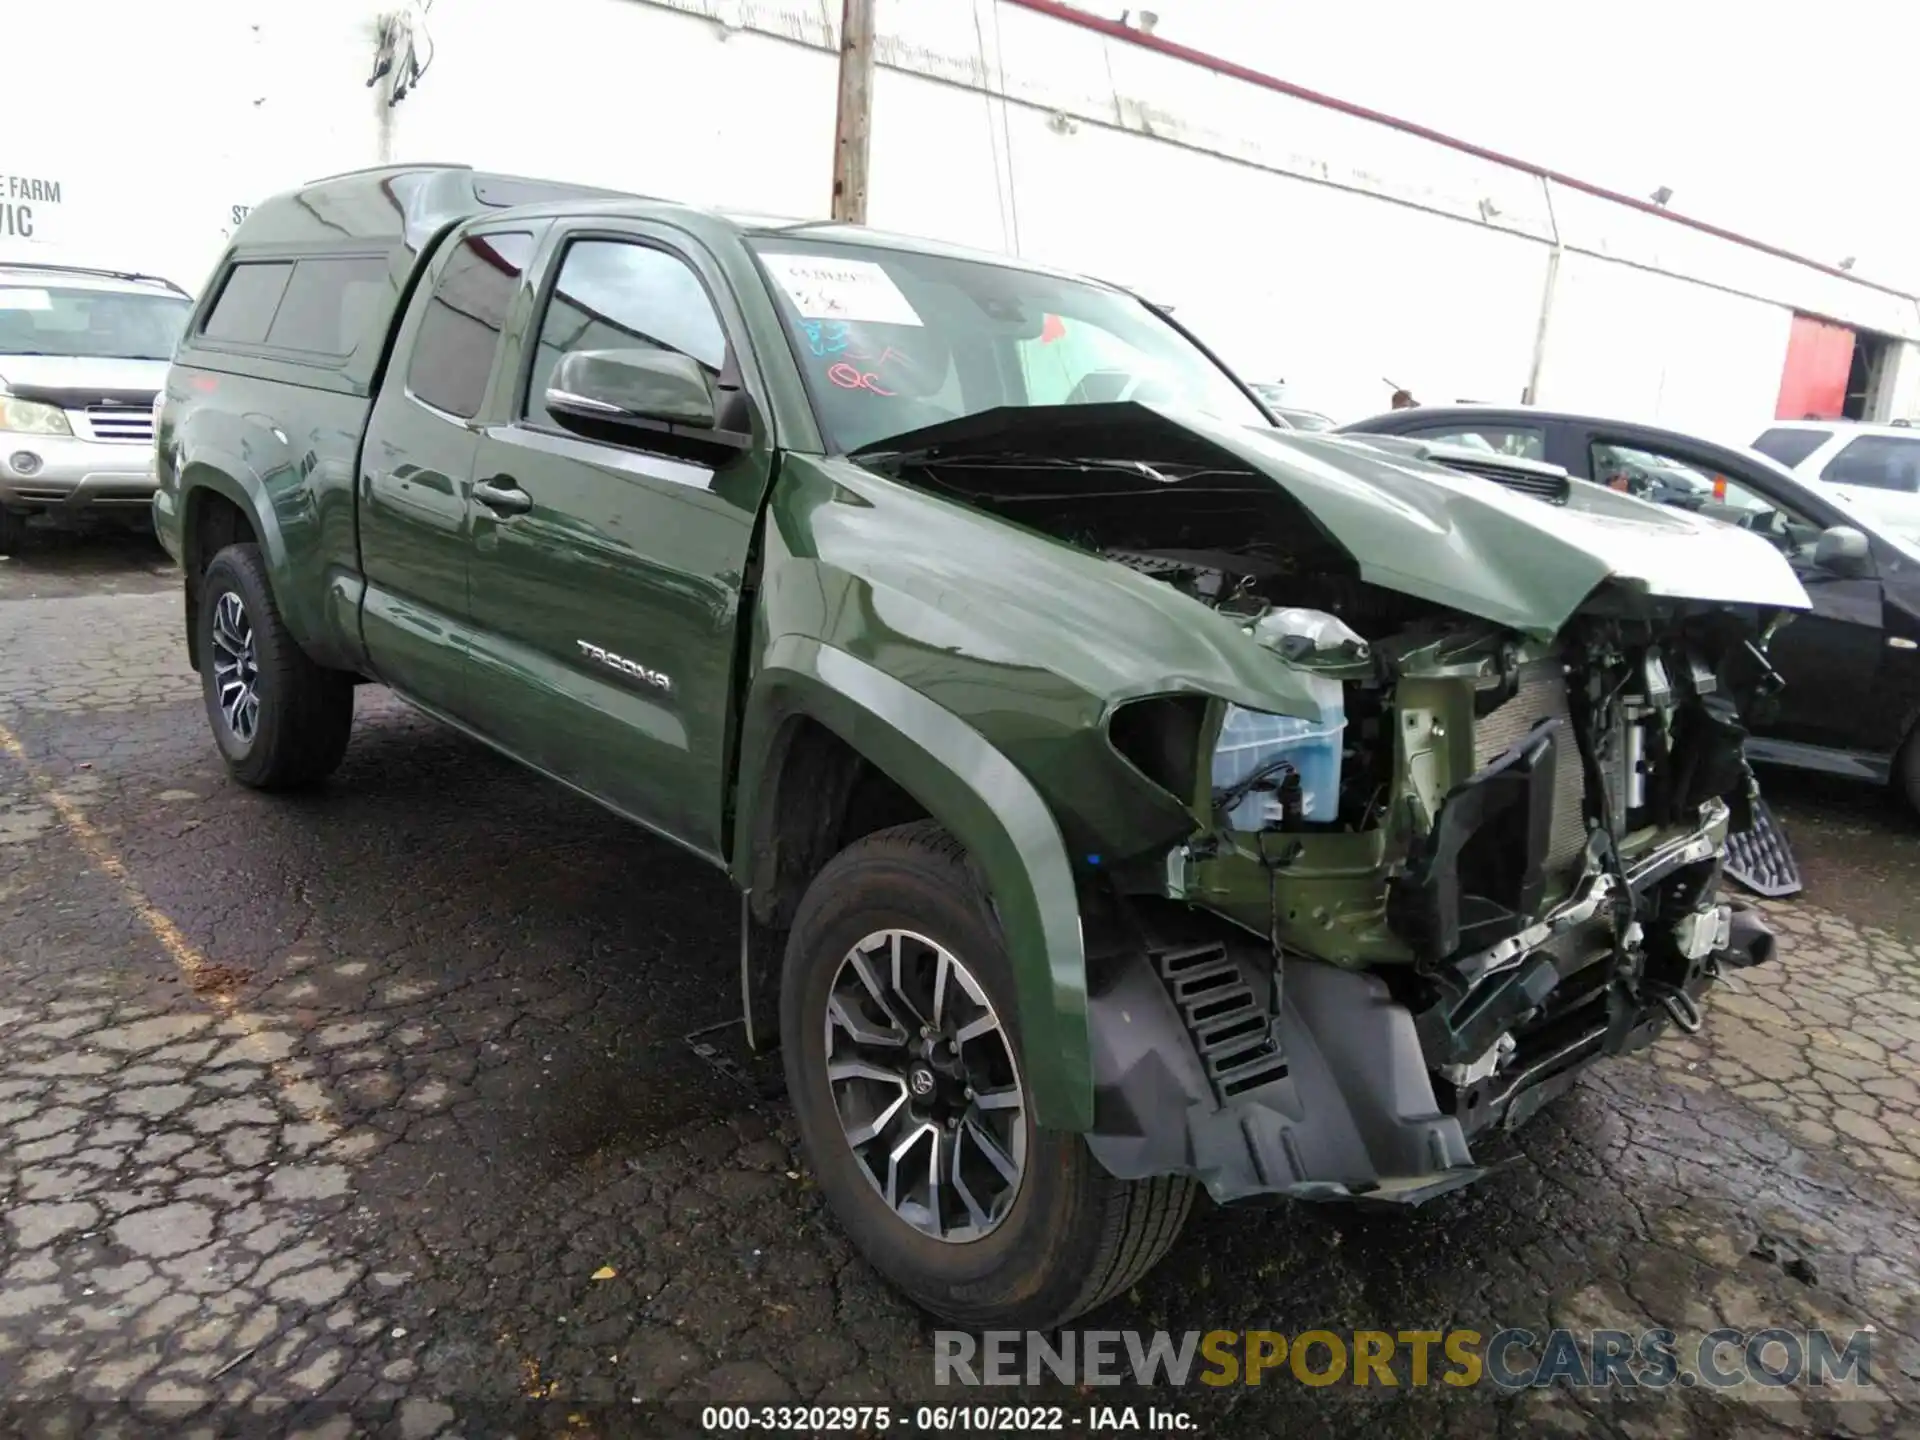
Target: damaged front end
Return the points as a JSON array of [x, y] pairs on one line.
[[1486, 852], [1537, 885]]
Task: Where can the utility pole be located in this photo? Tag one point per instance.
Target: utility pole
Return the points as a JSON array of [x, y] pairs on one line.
[[853, 124]]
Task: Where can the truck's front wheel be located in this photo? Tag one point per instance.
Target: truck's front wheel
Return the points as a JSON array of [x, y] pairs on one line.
[[280, 720], [903, 1058]]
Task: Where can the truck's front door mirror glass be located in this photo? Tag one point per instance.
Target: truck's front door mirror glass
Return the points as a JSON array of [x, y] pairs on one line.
[[602, 386], [1842, 550]]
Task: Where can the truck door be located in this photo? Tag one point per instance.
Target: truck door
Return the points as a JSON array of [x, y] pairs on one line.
[[607, 567], [417, 461]]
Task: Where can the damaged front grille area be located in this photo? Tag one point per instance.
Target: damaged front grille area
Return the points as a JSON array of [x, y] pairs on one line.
[[1542, 695], [1230, 1029]]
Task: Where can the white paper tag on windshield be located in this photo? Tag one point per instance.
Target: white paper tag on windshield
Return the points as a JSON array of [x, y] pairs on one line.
[[14, 298], [825, 287]]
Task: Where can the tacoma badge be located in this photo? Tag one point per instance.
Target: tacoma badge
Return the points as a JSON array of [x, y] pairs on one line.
[[656, 678]]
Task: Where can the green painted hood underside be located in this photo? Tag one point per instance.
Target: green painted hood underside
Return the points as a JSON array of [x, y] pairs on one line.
[[1441, 535]]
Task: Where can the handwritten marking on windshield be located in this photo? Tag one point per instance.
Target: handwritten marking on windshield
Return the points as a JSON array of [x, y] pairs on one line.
[[825, 337], [851, 377]]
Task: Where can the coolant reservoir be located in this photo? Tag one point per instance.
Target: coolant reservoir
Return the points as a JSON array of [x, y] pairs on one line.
[[1252, 742]]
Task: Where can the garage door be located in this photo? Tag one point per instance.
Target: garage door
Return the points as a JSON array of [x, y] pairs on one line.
[[1819, 356]]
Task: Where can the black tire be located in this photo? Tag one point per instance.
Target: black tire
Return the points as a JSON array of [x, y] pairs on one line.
[[1906, 772], [13, 529], [304, 711], [1072, 1236]]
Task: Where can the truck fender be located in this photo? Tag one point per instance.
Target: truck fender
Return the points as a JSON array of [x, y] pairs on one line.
[[984, 802], [225, 475], [325, 625]]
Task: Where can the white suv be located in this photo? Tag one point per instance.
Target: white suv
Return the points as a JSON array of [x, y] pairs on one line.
[[82, 355], [1874, 468]]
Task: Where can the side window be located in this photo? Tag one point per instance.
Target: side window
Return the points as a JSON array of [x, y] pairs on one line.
[[1523, 442], [330, 304], [459, 333], [1689, 485], [1790, 447], [1653, 476], [1877, 462], [621, 295], [247, 301]]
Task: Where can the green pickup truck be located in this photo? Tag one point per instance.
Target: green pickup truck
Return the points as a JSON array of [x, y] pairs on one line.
[[1126, 796]]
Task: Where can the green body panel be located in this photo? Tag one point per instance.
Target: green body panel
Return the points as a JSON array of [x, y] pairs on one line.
[[985, 802], [643, 557], [1032, 642], [292, 477], [977, 664]]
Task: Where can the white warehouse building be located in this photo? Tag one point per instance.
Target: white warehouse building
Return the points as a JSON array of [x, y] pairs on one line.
[[1305, 240]]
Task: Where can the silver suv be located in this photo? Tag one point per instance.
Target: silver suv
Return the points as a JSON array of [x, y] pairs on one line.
[[82, 355]]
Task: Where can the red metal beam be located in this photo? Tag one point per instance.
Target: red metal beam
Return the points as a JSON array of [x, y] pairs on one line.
[[1115, 30]]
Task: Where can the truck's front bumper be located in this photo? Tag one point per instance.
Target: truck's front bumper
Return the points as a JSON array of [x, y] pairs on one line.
[[64, 474], [1353, 1087]]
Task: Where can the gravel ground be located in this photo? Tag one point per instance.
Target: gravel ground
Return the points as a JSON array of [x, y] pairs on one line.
[[375, 1111]]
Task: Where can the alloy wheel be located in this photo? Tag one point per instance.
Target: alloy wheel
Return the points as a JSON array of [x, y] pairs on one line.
[[236, 668], [925, 1085]]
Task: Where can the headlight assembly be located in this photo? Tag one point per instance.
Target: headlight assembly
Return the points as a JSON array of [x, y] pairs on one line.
[[30, 417]]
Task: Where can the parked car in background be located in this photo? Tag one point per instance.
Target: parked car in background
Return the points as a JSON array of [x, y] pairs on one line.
[[82, 355], [1290, 417], [1852, 666], [1876, 468], [968, 615]]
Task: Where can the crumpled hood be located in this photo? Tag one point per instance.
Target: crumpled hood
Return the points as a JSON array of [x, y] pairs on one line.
[[1434, 533]]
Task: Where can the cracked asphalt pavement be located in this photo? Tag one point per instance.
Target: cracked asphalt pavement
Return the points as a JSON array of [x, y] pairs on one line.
[[375, 1111]]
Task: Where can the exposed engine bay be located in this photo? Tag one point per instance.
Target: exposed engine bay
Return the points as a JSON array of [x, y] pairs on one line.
[[1516, 838]]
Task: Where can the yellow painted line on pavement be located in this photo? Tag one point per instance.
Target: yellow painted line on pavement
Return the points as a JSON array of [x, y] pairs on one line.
[[201, 974]]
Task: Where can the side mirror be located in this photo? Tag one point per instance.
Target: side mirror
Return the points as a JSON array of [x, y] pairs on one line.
[[1841, 549], [616, 386]]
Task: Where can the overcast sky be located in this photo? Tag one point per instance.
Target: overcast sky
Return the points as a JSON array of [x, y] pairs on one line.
[[1796, 125]]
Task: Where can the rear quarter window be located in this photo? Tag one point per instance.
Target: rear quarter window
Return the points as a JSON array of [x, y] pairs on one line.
[[1790, 447], [330, 305], [320, 306], [244, 310], [1877, 462]]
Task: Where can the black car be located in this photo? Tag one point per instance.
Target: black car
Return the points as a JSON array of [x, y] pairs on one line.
[[1851, 665]]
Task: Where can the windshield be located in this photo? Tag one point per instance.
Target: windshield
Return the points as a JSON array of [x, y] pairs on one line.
[[890, 341], [98, 324]]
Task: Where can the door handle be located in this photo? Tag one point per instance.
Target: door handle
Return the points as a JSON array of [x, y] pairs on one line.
[[502, 496]]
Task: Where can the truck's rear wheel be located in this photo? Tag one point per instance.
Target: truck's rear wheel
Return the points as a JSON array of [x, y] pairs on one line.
[[903, 1058], [280, 720]]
